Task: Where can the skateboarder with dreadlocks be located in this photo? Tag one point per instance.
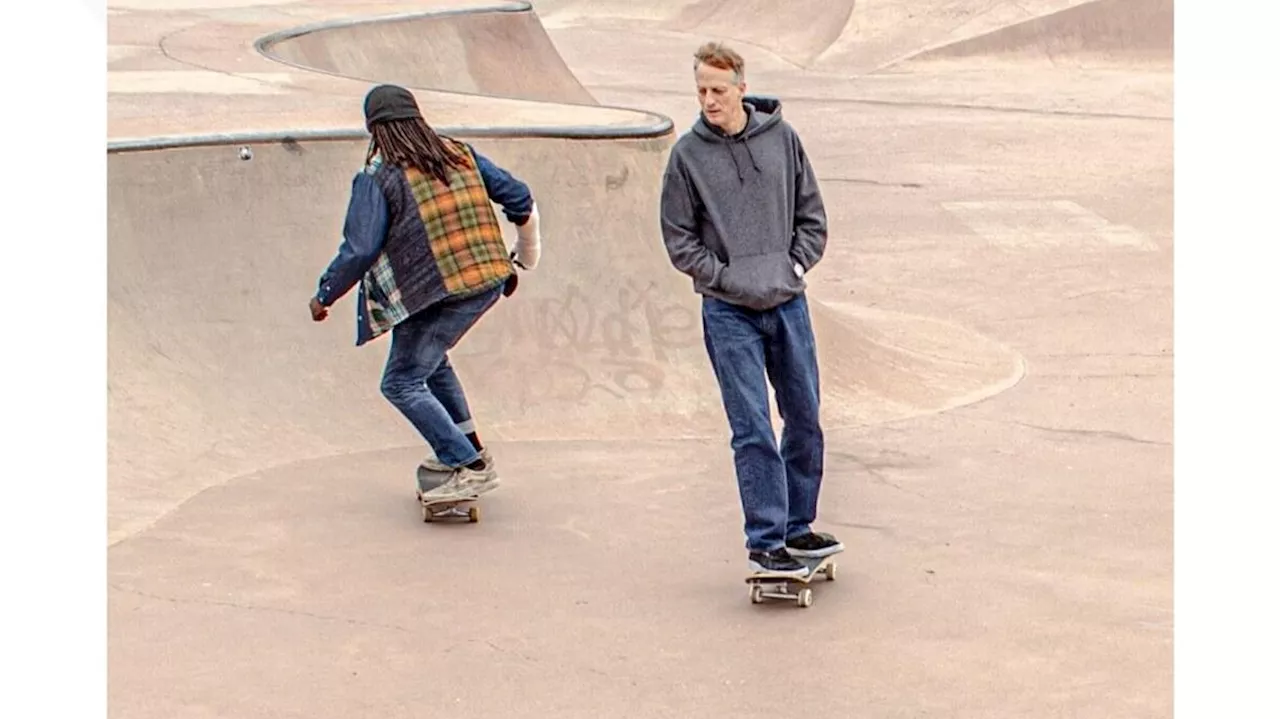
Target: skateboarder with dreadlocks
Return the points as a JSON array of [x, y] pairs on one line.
[[424, 244]]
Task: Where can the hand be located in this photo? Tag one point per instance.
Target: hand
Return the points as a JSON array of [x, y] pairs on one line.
[[318, 311]]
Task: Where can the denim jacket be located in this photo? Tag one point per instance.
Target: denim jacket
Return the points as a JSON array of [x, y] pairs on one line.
[[367, 222]]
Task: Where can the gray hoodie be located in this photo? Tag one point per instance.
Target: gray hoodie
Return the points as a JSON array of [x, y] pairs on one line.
[[740, 213]]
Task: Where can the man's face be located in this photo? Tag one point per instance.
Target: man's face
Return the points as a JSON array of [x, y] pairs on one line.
[[718, 94]]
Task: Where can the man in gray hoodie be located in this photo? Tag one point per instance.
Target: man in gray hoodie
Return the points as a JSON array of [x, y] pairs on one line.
[[743, 217]]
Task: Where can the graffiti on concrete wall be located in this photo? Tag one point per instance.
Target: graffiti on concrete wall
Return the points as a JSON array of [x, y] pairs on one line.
[[616, 339]]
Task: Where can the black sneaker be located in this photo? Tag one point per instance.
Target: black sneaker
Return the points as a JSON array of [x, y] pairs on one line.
[[777, 562], [814, 544]]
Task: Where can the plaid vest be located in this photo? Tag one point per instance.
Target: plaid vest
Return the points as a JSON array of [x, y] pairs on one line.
[[443, 242]]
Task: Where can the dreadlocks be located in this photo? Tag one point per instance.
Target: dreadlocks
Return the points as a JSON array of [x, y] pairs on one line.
[[410, 143]]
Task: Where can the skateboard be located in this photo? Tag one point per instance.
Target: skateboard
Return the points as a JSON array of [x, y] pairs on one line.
[[775, 586], [452, 508]]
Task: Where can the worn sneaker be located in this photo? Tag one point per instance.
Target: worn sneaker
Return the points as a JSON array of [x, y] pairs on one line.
[[475, 482], [777, 562], [445, 491], [814, 544], [431, 464], [465, 483]]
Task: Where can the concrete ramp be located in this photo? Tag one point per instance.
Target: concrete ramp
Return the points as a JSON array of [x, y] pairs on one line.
[[883, 32], [840, 37], [216, 369], [1129, 33], [501, 51], [798, 31]]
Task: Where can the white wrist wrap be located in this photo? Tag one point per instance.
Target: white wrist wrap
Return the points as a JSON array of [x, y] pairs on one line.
[[529, 241]]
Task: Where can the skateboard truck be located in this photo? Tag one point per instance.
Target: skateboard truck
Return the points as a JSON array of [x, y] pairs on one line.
[[450, 509]]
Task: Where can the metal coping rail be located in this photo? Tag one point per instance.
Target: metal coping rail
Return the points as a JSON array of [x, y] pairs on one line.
[[569, 132]]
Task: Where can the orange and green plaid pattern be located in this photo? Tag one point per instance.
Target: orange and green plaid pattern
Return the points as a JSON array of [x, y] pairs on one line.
[[462, 237], [463, 230]]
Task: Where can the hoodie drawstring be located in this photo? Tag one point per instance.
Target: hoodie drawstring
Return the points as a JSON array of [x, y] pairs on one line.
[[753, 157], [728, 144]]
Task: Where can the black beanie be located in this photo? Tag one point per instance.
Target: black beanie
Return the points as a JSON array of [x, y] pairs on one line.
[[389, 102]]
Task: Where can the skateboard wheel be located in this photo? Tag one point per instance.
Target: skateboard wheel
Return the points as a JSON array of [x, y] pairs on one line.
[[805, 598], [473, 514], [757, 594], [831, 572]]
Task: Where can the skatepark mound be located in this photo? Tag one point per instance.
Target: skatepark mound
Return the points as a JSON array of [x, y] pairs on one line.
[[1124, 33], [500, 50]]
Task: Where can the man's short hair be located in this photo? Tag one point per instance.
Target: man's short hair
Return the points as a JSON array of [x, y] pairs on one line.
[[717, 54]]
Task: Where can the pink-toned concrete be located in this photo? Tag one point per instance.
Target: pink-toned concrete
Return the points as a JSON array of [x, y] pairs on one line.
[[505, 54], [995, 319], [1104, 32]]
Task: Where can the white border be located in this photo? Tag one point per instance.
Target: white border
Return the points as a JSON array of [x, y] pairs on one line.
[[54, 362], [1226, 314], [53, 534]]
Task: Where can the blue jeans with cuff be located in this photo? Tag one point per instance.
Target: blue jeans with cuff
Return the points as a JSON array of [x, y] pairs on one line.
[[420, 382], [778, 485]]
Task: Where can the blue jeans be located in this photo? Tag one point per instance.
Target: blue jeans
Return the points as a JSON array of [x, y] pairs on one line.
[[778, 489], [420, 382]]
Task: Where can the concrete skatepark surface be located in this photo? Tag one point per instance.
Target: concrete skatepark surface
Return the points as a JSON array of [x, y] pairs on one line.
[[994, 318]]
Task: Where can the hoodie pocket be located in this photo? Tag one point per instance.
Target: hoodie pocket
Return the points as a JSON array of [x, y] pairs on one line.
[[761, 281]]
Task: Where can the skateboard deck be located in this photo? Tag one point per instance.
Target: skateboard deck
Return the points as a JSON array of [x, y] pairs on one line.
[[781, 586], [443, 508]]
